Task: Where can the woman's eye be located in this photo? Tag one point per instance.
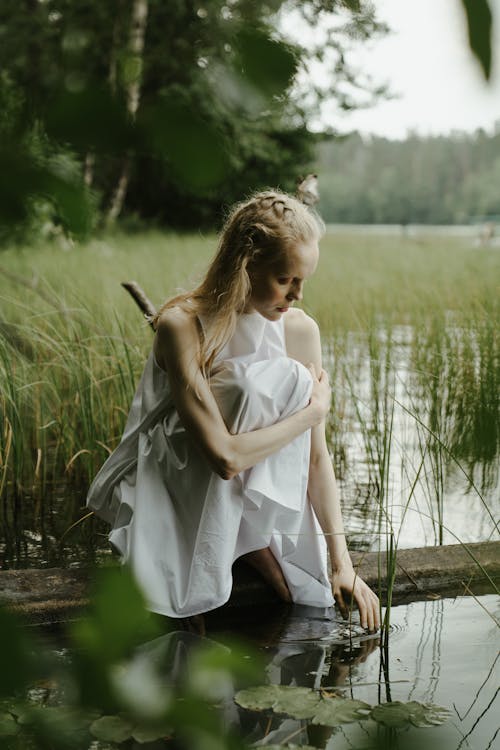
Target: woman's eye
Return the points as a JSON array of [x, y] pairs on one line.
[[283, 280]]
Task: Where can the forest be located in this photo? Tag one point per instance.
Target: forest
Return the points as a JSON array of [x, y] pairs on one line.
[[452, 179]]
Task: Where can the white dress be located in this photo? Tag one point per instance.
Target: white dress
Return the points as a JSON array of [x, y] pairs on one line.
[[176, 522]]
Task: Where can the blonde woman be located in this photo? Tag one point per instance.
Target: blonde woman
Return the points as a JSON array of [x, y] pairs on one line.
[[224, 452]]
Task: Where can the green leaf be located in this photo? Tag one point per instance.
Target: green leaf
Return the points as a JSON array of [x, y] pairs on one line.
[[213, 669], [111, 729], [303, 703], [151, 733], [479, 23], [8, 725], [298, 702], [118, 619], [398, 714], [258, 698], [335, 711], [193, 147], [90, 119], [269, 65], [139, 687]]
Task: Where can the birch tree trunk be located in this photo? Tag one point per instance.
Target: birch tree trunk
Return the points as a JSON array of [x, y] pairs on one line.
[[135, 50]]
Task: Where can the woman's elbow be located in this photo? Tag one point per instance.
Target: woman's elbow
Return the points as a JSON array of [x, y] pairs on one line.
[[224, 464]]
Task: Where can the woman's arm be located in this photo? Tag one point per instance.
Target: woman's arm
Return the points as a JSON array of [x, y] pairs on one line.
[[303, 343], [176, 349]]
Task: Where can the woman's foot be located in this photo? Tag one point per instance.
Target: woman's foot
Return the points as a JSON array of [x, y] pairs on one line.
[[266, 564]]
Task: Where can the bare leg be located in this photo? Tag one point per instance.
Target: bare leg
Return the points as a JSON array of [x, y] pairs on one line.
[[194, 624], [265, 562]]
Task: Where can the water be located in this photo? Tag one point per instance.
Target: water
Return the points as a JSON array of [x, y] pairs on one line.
[[443, 652], [410, 459]]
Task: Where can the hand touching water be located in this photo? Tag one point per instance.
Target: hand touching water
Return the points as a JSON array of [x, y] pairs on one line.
[[346, 585]]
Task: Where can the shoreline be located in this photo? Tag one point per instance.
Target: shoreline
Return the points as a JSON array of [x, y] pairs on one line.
[[49, 596]]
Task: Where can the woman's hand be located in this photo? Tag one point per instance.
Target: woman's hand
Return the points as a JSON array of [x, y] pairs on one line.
[[346, 583], [321, 395]]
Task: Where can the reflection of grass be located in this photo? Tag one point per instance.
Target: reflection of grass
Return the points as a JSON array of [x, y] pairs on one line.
[[69, 358]]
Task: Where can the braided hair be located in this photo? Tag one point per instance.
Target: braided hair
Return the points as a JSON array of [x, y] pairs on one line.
[[256, 234]]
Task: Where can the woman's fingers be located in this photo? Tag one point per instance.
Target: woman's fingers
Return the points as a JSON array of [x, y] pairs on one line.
[[368, 605], [344, 610], [366, 601]]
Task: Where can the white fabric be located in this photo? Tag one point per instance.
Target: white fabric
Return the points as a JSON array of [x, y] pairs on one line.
[[177, 523]]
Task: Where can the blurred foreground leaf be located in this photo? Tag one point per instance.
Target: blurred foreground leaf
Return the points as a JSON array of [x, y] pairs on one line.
[[90, 119], [191, 145], [116, 623], [269, 65], [479, 24], [118, 619]]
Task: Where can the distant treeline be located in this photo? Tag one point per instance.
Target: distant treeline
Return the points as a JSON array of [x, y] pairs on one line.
[[432, 180]]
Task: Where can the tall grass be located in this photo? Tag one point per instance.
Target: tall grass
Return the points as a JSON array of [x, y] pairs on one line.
[[411, 338]]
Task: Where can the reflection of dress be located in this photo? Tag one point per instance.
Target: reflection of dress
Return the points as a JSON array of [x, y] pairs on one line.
[[177, 523]]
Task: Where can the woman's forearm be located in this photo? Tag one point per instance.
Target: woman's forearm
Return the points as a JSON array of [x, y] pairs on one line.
[[246, 449], [324, 498]]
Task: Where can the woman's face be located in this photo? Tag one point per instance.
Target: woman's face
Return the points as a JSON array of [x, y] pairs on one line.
[[276, 287]]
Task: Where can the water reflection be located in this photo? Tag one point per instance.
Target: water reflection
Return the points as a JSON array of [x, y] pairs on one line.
[[415, 433], [442, 651]]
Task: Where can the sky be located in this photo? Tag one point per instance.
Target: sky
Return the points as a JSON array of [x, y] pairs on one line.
[[427, 61]]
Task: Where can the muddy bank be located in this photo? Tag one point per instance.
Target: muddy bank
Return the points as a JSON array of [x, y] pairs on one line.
[[52, 595]]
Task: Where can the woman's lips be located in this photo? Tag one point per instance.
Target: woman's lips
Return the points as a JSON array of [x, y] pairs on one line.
[[282, 309]]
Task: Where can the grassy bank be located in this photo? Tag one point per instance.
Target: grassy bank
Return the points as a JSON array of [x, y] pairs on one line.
[[410, 332]]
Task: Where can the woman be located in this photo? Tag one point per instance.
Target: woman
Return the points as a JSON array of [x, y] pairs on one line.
[[224, 452]]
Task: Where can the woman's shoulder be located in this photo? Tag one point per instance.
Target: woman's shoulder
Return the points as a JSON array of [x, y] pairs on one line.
[[302, 337], [176, 329], [298, 323], [175, 319]]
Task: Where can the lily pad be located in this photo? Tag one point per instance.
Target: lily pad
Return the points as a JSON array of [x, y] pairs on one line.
[[150, 734], [332, 712], [111, 729], [398, 714], [298, 702], [258, 698], [8, 725]]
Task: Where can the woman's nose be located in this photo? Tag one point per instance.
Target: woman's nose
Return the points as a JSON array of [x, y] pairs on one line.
[[296, 291]]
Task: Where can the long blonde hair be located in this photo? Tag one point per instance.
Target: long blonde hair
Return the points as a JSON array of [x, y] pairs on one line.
[[257, 233]]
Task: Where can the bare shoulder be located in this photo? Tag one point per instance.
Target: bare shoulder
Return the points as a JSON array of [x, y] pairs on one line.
[[302, 337], [176, 331], [298, 323]]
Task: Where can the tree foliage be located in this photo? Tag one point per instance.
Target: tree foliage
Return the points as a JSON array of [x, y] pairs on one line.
[[216, 115]]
